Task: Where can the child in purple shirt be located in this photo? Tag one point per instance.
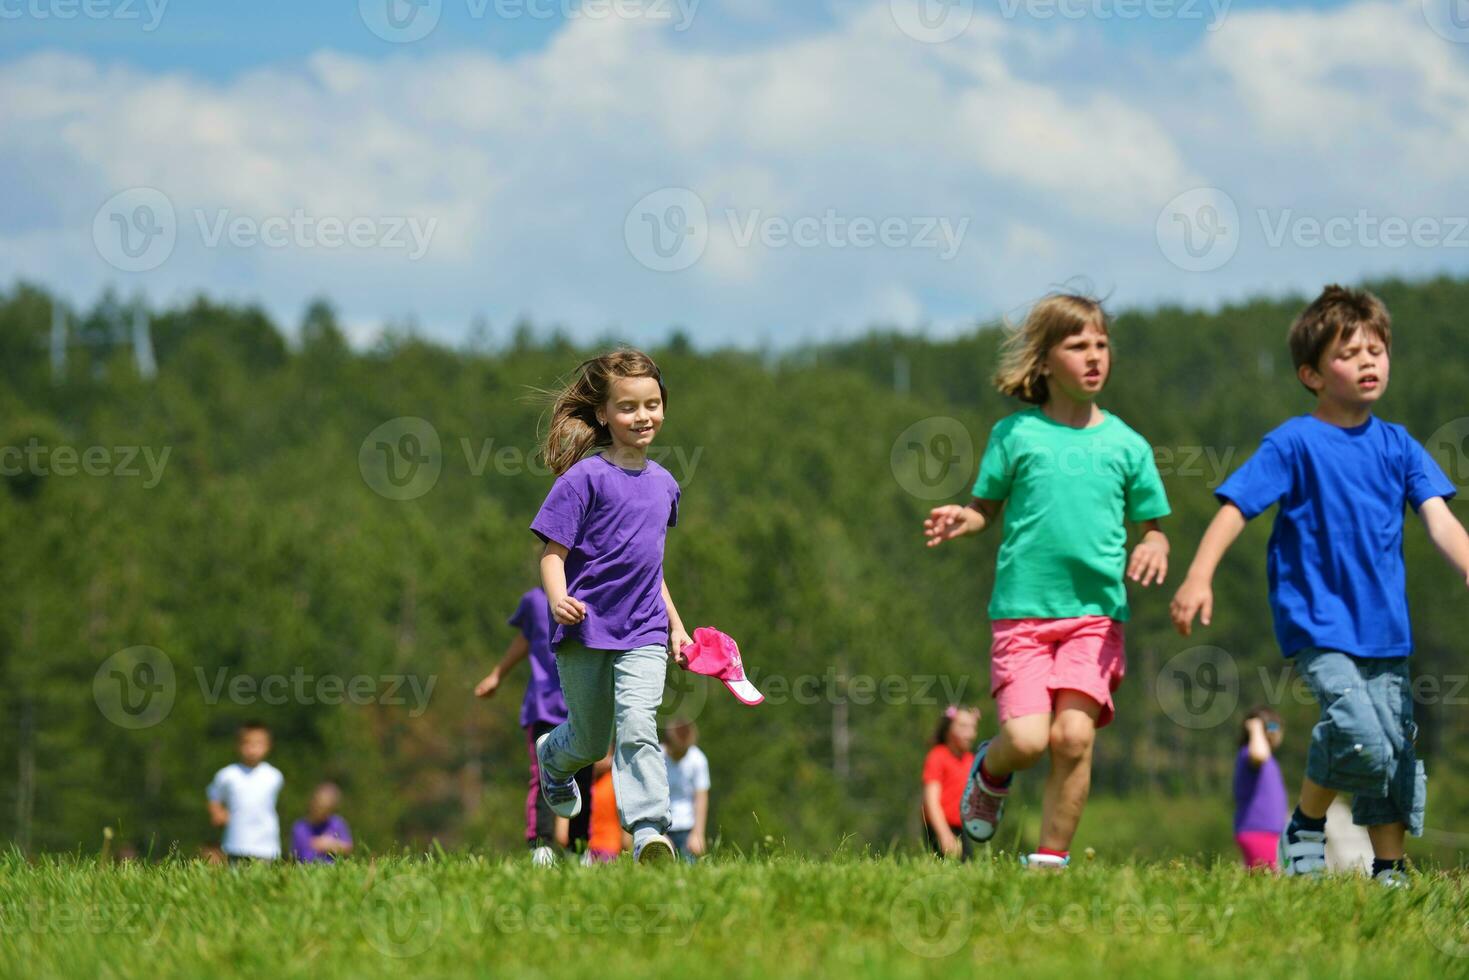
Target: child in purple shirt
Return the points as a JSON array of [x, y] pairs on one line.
[[1260, 807], [322, 834], [604, 524], [542, 709]]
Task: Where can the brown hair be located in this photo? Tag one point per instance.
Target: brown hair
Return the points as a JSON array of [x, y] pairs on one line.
[[1023, 355], [574, 429], [1336, 314], [1268, 715], [941, 733]]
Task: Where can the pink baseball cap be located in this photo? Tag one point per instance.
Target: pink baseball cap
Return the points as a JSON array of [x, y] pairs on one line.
[[715, 654]]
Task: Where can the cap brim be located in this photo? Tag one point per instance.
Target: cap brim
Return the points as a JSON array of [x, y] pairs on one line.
[[744, 691]]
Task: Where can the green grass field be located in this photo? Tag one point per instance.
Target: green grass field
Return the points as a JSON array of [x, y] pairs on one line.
[[752, 916]]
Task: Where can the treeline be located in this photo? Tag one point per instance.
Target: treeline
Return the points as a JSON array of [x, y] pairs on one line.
[[331, 540]]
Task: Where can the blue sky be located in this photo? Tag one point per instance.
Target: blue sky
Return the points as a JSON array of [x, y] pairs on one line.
[[747, 169]]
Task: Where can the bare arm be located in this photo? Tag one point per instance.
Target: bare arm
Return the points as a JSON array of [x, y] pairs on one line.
[[1149, 562], [518, 650], [953, 521], [678, 637], [1196, 595], [1259, 744], [1447, 534], [566, 610], [697, 843], [219, 814]]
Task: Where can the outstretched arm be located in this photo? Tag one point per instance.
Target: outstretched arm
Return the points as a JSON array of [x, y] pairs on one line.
[[1196, 596], [1447, 534], [518, 650], [953, 521]]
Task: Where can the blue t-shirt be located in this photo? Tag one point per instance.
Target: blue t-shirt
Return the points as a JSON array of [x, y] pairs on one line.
[[1337, 579], [543, 701]]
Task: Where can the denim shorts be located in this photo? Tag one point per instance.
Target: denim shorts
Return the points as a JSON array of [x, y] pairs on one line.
[[1363, 744]]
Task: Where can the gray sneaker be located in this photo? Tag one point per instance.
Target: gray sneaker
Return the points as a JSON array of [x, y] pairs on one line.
[[982, 806], [657, 849], [562, 796]]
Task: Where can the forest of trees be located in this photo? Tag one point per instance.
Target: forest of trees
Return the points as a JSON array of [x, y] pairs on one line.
[[276, 525]]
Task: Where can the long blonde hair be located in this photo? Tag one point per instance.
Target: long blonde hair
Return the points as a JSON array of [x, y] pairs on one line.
[[1023, 355], [574, 429]]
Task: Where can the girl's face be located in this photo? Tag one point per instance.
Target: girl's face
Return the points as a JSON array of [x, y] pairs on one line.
[[1079, 365], [633, 412], [962, 730]]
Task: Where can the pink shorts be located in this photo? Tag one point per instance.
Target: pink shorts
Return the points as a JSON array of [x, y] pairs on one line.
[[1259, 848], [1032, 659]]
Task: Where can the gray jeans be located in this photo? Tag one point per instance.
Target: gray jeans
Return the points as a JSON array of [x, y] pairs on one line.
[[608, 692]]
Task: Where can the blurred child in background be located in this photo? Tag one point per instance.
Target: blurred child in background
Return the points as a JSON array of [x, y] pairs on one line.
[[1260, 806], [242, 799], [322, 834], [945, 771], [688, 788], [608, 839], [542, 710]]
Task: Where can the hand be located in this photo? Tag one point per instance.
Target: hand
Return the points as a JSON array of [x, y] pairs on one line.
[[568, 611], [678, 638], [1149, 562], [696, 843], [1193, 598], [952, 846], [326, 844], [487, 687], [1253, 725], [945, 524]]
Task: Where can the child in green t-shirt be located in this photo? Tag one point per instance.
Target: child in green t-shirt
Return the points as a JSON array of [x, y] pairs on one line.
[[1068, 476]]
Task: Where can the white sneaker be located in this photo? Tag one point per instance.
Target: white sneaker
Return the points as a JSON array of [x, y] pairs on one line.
[[1302, 852], [1392, 878], [543, 857], [657, 849]]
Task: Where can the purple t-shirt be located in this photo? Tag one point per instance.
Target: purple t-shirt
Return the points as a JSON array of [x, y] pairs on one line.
[[543, 701], [1259, 795], [304, 830], [613, 523]]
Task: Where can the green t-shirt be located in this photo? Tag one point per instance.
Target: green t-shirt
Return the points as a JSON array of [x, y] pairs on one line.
[[1067, 494]]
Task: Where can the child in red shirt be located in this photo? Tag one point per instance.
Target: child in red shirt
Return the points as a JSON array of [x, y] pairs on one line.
[[945, 771]]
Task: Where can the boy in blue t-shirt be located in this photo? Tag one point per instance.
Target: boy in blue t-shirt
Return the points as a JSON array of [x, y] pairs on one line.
[[1337, 581]]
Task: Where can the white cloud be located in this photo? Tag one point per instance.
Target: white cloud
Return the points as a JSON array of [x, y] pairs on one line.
[[529, 165]]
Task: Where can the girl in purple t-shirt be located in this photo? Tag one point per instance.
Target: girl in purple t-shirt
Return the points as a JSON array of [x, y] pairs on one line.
[[604, 524], [1260, 807]]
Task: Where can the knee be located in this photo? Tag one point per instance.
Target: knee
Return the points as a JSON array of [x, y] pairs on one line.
[[1028, 747], [1071, 739]]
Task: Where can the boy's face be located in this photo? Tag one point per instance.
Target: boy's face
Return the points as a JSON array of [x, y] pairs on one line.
[[634, 411], [1353, 371], [1078, 366], [253, 746]]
